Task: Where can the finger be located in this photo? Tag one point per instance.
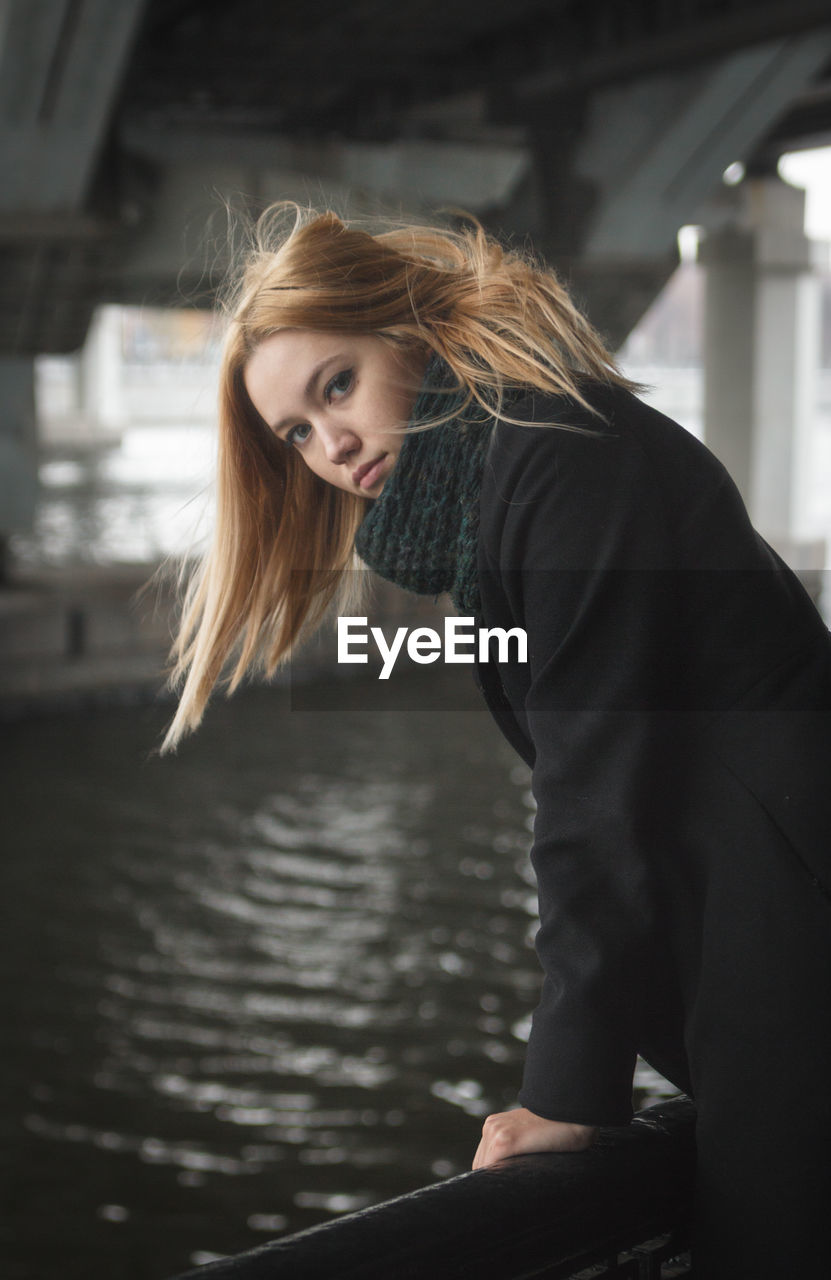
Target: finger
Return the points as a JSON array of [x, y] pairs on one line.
[[484, 1155]]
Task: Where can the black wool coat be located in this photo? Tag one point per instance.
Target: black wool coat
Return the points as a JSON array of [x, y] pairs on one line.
[[676, 711]]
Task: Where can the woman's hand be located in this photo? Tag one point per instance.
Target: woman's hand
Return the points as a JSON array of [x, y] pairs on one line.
[[514, 1133]]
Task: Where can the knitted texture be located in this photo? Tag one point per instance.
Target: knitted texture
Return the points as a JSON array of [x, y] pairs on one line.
[[422, 532]]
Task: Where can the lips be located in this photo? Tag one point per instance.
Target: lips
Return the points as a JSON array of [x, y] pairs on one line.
[[364, 477]]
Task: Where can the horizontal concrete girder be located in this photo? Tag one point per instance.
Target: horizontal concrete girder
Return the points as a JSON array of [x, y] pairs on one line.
[[412, 171], [182, 249]]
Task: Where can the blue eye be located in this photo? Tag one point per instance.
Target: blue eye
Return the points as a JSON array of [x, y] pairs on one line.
[[339, 385], [296, 435]]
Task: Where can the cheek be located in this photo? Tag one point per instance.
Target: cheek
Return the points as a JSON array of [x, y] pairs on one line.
[[395, 415], [387, 410], [303, 462], [317, 463]]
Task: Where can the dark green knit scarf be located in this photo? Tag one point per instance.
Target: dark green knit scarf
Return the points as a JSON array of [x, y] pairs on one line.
[[422, 533]]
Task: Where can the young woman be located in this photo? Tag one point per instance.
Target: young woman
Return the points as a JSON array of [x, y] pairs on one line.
[[439, 405]]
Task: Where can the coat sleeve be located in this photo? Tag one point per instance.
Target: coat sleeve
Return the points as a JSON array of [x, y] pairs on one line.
[[583, 562]]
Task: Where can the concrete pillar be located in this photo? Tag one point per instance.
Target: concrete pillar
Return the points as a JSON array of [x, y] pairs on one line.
[[18, 451], [103, 404], [728, 349], [761, 354]]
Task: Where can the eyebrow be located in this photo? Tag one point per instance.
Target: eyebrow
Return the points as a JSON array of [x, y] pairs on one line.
[[307, 390]]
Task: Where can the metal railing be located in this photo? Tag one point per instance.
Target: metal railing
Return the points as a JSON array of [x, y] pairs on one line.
[[618, 1209]]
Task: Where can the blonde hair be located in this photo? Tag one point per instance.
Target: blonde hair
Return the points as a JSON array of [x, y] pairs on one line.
[[283, 538]]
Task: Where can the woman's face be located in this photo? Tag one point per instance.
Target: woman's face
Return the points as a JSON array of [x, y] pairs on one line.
[[339, 400]]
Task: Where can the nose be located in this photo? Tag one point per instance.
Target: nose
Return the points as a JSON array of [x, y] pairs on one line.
[[340, 442]]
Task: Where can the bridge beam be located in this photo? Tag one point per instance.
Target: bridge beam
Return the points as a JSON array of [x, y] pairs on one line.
[[619, 169], [190, 177], [61, 64]]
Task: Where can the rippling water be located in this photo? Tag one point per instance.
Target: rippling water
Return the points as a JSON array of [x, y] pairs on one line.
[[281, 976]]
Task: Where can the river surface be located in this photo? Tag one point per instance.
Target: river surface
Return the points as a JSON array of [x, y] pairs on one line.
[[278, 977]]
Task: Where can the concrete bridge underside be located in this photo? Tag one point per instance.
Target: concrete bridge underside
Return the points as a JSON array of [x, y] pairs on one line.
[[595, 129]]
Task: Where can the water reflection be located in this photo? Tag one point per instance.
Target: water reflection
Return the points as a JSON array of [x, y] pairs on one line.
[[138, 498], [281, 976]]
